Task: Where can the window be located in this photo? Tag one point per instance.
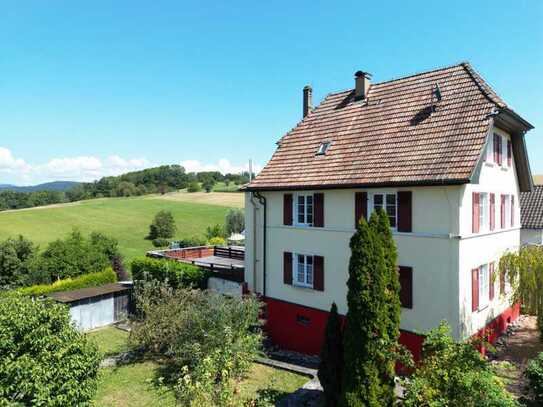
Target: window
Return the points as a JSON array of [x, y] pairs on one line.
[[484, 286], [324, 146], [304, 210], [497, 144], [388, 203], [507, 210], [484, 216], [304, 270], [490, 150]]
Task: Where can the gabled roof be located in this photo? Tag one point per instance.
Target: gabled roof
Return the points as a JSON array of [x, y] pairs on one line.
[[399, 135], [531, 208]]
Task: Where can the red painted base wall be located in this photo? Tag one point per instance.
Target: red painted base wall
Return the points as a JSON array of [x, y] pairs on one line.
[[301, 329]]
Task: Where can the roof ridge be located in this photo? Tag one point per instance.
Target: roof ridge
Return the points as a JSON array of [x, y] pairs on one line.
[[484, 86]]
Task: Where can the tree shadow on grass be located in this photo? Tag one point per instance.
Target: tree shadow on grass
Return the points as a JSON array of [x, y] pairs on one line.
[[270, 396]]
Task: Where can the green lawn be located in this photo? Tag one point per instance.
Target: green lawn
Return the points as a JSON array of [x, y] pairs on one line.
[[110, 340], [126, 219], [135, 385]]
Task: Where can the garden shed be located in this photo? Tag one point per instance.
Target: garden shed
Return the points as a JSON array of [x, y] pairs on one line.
[[95, 307]]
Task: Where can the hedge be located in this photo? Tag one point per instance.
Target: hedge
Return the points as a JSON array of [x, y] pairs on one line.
[[84, 281], [176, 274]]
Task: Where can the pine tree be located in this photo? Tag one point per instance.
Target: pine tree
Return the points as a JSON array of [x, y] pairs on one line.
[[331, 366], [381, 226], [366, 329]]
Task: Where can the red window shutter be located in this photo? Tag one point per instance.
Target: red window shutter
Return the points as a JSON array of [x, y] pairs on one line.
[[512, 210], [360, 207], [475, 213], [405, 211], [318, 208], [474, 289], [318, 273], [491, 281], [287, 209], [492, 211], [502, 211], [509, 153], [287, 268], [406, 286]]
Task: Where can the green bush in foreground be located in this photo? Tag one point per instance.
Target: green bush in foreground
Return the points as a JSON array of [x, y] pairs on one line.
[[85, 281], [44, 361], [208, 340], [454, 374], [174, 273], [534, 374]]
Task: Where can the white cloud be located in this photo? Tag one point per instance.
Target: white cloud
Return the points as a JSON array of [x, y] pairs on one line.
[[223, 166], [81, 168]]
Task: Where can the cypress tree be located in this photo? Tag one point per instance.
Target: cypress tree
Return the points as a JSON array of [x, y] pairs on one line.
[[381, 226], [366, 330], [331, 365]]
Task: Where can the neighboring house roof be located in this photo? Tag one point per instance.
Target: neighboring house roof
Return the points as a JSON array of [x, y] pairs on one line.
[[531, 208], [394, 137], [83, 293]]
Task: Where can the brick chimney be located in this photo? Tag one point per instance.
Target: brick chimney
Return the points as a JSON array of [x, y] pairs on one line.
[[362, 84], [308, 104]]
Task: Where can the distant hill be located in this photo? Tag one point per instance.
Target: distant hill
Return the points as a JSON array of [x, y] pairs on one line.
[[48, 186], [538, 179]]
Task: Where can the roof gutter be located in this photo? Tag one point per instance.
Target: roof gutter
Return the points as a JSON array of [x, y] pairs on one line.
[[262, 201]]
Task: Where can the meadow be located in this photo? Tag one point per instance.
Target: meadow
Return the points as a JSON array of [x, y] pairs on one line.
[[126, 219]]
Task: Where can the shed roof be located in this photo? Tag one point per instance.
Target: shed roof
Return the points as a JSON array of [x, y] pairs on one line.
[[399, 135], [75, 295], [531, 208]]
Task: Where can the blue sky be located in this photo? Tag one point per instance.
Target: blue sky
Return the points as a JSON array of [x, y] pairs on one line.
[[95, 88]]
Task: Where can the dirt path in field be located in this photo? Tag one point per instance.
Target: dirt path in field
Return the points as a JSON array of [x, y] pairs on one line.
[[520, 347]]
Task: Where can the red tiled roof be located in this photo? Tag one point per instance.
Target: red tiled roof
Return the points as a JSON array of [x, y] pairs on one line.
[[531, 208], [392, 138]]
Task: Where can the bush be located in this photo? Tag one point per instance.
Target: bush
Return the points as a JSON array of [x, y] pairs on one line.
[[88, 280], [174, 273], [16, 257], [235, 221], [534, 374], [216, 241], [163, 226], [215, 231], [194, 186], [454, 374], [191, 242], [207, 339], [161, 242], [44, 361]]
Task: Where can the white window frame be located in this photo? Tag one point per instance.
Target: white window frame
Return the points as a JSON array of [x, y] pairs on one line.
[[384, 205], [307, 221], [304, 270], [484, 286], [323, 147], [484, 211]]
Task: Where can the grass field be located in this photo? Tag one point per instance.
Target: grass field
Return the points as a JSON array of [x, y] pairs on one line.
[[126, 219]]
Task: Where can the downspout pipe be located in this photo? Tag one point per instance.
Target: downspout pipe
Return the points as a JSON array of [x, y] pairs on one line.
[[262, 201], [255, 208]]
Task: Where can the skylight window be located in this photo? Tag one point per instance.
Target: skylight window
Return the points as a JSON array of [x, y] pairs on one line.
[[325, 145]]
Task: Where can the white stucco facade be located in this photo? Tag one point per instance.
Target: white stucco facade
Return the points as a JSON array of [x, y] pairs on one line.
[[441, 249]]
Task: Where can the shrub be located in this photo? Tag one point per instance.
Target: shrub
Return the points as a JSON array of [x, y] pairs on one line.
[[44, 361], [163, 226], [191, 242], [216, 241], [16, 257], [235, 221], [194, 186], [366, 326], [208, 184], [161, 242], [85, 281], [174, 273], [454, 374], [207, 339], [534, 374], [331, 365], [215, 231]]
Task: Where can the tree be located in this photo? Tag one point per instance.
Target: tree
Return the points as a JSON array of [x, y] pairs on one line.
[[16, 257], [453, 374], [208, 184], [380, 224], [163, 226], [235, 221], [215, 231], [366, 327], [524, 271], [331, 365], [194, 186], [44, 360]]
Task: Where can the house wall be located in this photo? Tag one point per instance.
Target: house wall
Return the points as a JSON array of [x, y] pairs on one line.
[[531, 236]]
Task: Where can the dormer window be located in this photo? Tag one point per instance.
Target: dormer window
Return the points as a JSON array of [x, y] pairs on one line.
[[325, 145]]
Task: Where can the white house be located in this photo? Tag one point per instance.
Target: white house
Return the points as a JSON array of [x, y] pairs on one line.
[[446, 158], [531, 215]]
